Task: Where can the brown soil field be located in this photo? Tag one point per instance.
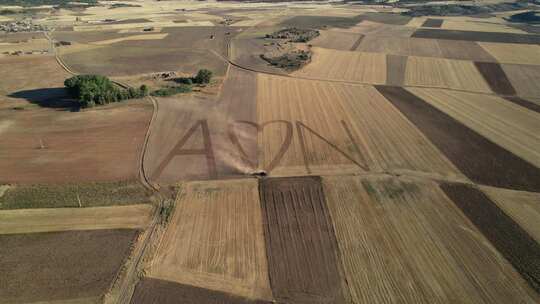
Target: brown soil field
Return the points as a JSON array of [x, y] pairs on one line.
[[404, 241], [436, 23], [444, 73], [165, 292], [65, 219], [303, 261], [378, 29], [531, 105], [513, 53], [61, 265], [47, 145], [345, 65], [87, 37], [202, 124], [33, 75], [477, 36], [159, 36], [245, 50], [464, 50], [521, 206], [18, 37], [496, 78], [336, 40], [512, 241], [524, 78], [477, 157], [510, 126], [396, 66], [215, 240], [351, 128]]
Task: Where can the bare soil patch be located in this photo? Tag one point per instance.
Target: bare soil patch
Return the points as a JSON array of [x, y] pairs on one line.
[[478, 158], [395, 69], [435, 23], [495, 77], [151, 291], [61, 265], [477, 36], [514, 243], [301, 271]]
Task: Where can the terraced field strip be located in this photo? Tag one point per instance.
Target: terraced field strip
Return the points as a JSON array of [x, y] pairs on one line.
[[337, 128], [495, 77], [521, 206], [404, 241], [303, 261], [65, 219], [345, 65], [524, 78], [512, 241], [506, 124], [63, 265], [513, 53], [477, 157], [444, 73], [154, 291], [476, 36], [215, 240], [435, 23]]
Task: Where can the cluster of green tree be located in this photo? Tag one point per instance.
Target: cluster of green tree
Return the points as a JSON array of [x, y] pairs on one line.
[[119, 5], [186, 84], [27, 3], [91, 90], [294, 34]]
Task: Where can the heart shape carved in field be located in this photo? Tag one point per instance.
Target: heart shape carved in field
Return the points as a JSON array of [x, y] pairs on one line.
[[260, 128]]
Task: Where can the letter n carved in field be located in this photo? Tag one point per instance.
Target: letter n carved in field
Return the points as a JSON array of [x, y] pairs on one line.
[[206, 150]]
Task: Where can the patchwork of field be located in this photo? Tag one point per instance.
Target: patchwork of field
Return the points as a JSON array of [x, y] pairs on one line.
[[339, 128], [215, 240], [513, 53], [504, 123], [448, 260]]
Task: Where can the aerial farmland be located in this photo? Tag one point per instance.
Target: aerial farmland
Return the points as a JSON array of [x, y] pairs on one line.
[[235, 152]]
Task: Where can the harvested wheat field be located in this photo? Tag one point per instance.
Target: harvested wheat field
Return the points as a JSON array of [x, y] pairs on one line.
[[192, 137], [215, 240], [513, 53], [524, 78], [343, 65], [304, 266], [477, 157], [337, 40], [47, 145], [444, 73], [509, 125], [327, 128], [65, 219], [55, 266], [513, 242], [400, 46], [521, 206], [132, 38], [378, 29], [405, 241]]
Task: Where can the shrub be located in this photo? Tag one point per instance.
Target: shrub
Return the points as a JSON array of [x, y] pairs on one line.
[[203, 76], [169, 91]]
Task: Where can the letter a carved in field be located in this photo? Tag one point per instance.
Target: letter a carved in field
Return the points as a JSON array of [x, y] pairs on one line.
[[206, 151]]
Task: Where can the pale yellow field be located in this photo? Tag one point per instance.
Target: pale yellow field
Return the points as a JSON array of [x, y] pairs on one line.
[[335, 40], [504, 123], [513, 53], [381, 137], [215, 240], [131, 38], [125, 26], [344, 65], [40, 44], [416, 22], [65, 219], [521, 206], [401, 46], [405, 242], [379, 29], [524, 78], [479, 26], [444, 73]]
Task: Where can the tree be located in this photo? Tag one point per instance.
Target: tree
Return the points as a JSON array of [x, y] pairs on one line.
[[144, 90], [203, 76]]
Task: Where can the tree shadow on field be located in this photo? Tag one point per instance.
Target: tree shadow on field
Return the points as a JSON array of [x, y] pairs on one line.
[[56, 98]]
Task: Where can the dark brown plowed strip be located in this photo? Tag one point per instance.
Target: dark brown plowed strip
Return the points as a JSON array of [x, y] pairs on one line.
[[495, 77], [357, 43], [478, 158], [395, 69], [514, 243], [524, 103], [433, 23], [165, 292], [300, 242], [477, 36], [61, 265]]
